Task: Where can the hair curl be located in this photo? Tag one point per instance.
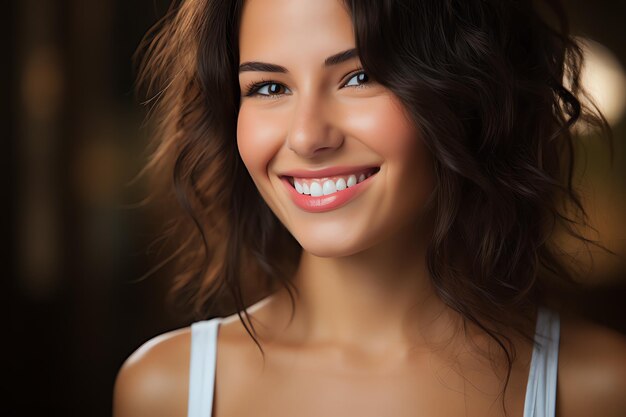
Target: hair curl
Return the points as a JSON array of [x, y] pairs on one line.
[[484, 82]]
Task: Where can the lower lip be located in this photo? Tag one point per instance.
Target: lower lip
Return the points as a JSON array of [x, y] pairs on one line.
[[326, 202]]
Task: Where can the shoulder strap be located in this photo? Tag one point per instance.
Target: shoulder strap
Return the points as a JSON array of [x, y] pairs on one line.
[[202, 367], [542, 378]]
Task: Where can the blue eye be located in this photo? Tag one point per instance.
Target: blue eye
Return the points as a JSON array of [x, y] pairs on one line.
[[361, 77]]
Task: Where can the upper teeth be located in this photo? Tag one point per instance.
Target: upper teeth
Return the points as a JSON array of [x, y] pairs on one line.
[[318, 187]]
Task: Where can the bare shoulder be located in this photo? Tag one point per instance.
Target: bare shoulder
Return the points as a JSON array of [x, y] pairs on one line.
[[154, 380], [592, 370]]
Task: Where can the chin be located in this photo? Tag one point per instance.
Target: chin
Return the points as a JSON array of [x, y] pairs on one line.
[[333, 245], [326, 252]]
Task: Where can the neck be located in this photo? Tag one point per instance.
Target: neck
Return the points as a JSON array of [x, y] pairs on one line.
[[374, 299]]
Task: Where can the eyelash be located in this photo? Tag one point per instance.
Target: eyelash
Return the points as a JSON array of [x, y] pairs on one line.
[[253, 88]]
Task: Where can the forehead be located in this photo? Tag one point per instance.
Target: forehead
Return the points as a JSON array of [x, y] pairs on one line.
[[293, 29]]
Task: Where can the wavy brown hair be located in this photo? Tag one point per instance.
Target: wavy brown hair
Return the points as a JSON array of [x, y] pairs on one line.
[[484, 82]]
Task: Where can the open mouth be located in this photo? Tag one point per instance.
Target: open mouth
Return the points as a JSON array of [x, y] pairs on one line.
[[316, 187]]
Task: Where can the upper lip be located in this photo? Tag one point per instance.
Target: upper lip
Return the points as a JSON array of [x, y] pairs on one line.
[[327, 172]]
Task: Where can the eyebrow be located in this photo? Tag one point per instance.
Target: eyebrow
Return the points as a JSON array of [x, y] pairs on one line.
[[265, 67]]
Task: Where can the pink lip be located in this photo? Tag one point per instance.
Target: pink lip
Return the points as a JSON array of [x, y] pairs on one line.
[[326, 172], [325, 202]]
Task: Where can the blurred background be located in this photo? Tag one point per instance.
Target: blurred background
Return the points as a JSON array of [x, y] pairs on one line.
[[78, 245]]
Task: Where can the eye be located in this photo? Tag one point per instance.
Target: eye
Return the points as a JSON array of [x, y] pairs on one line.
[[265, 89], [272, 89], [361, 78]]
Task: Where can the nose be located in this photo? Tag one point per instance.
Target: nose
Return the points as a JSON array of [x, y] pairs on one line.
[[312, 131]]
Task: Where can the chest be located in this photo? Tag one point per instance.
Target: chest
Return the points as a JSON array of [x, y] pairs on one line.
[[311, 387]]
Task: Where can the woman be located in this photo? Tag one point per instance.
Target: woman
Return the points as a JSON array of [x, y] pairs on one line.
[[375, 187]]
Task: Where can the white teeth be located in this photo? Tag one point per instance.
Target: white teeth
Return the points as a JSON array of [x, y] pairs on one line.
[[316, 190], [329, 187]]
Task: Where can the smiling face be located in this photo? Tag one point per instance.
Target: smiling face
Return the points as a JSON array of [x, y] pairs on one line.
[[321, 121]]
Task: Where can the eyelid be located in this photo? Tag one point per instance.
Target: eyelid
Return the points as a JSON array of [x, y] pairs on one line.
[[252, 89]]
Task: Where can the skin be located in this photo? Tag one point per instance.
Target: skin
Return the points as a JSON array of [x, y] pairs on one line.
[[362, 270], [317, 122]]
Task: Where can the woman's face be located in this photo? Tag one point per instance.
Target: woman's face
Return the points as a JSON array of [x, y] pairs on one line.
[[322, 124]]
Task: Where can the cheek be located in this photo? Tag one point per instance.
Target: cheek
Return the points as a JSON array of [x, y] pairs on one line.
[[258, 140], [409, 177], [382, 124]]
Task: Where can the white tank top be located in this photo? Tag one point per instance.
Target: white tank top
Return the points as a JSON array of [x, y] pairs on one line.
[[540, 389]]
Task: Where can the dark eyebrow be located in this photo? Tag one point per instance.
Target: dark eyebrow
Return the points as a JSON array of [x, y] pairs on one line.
[[265, 67], [340, 57]]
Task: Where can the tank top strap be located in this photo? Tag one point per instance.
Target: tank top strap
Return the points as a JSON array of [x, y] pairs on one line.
[[542, 378], [202, 367]]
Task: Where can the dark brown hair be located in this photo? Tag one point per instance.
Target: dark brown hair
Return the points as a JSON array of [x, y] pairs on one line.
[[483, 81]]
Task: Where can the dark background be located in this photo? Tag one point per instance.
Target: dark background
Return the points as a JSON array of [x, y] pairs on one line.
[[77, 247]]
